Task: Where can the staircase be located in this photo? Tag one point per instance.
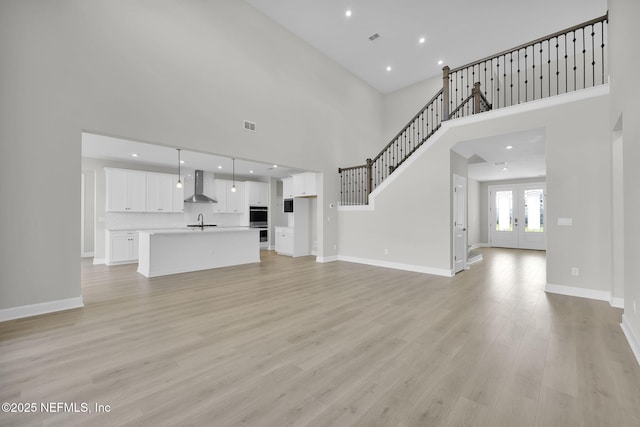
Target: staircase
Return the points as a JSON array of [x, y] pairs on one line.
[[562, 62]]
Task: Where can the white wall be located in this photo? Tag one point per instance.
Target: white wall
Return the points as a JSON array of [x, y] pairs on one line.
[[400, 106], [182, 74], [412, 216], [623, 121]]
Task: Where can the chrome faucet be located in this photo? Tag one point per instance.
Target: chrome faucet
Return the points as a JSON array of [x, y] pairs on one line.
[[201, 220]]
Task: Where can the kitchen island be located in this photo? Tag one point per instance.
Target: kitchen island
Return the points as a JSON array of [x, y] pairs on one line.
[[171, 251]]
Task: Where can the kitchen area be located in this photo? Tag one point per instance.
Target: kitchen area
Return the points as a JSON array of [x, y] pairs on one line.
[[172, 211]]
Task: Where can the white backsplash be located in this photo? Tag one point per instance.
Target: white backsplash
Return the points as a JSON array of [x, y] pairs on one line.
[[141, 220]]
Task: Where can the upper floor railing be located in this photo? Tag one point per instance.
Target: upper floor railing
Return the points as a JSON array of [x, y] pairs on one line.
[[565, 61]]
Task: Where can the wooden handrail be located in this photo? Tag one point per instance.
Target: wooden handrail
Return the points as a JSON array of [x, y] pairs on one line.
[[431, 101]]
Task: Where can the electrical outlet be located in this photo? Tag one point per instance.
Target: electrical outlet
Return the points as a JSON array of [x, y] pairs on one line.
[[575, 271], [328, 219], [386, 251], [335, 246]]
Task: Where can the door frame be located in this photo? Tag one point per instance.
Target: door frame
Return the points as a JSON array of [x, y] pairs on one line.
[[456, 181], [517, 189]]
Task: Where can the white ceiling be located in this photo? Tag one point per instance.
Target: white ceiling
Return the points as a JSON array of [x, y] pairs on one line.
[[456, 31], [526, 158], [106, 147]]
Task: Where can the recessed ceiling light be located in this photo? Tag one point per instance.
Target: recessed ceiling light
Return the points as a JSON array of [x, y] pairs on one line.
[[422, 40], [509, 147], [219, 167], [348, 13], [182, 161], [504, 169], [134, 155], [389, 68], [250, 171], [440, 62], [275, 166]]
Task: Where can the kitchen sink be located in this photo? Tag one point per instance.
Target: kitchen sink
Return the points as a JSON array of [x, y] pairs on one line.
[[201, 226]]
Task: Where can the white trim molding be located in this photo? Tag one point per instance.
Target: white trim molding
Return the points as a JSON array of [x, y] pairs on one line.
[[41, 308], [398, 266], [479, 245], [323, 259], [99, 261], [617, 302], [595, 294], [87, 254], [634, 343]]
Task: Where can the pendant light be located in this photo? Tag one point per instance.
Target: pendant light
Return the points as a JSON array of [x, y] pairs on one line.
[[233, 188], [179, 183]]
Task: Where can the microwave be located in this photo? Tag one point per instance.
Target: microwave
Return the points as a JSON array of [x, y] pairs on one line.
[[288, 205]]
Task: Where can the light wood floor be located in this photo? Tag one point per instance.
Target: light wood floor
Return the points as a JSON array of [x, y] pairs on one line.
[[292, 342]]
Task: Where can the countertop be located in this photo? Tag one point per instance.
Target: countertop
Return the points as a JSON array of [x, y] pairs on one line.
[[196, 230]]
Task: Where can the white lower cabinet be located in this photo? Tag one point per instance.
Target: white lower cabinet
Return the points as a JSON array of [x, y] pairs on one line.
[[121, 247], [284, 240]]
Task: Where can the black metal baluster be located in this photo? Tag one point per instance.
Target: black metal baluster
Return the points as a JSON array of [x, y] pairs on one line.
[[549, 64], [575, 74], [584, 61], [541, 69], [593, 55], [526, 77], [602, 47], [511, 77], [557, 67]]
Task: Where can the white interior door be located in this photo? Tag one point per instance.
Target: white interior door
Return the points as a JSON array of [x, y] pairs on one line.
[[516, 216], [459, 223]]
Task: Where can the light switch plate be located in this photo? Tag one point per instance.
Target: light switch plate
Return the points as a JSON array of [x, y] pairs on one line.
[[565, 221]]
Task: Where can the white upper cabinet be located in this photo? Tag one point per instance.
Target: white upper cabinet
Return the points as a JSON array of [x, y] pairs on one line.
[[126, 190], [221, 196], [287, 188], [229, 201], [178, 196], [258, 193], [160, 189], [304, 185], [236, 200], [139, 191]]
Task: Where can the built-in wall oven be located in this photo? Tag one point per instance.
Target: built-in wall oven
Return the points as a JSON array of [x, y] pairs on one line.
[[258, 218]]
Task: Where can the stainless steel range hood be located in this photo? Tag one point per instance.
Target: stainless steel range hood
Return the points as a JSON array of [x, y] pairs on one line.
[[198, 195]]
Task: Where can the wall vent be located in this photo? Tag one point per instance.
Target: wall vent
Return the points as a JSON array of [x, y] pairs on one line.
[[374, 36], [249, 126]]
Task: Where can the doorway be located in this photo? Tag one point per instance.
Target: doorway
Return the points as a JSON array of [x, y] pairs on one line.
[[517, 216]]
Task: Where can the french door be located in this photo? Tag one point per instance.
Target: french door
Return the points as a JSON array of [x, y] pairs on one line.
[[517, 216]]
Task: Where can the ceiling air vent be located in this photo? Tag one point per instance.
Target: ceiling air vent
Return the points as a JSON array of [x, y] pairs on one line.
[[249, 126], [374, 36]]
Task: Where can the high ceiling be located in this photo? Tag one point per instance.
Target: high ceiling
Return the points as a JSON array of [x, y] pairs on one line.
[[456, 31]]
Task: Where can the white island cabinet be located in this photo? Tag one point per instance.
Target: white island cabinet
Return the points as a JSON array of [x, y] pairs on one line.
[[163, 252]]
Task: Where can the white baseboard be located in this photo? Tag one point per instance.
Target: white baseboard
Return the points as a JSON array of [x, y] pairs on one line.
[[98, 261], [474, 259], [327, 258], [617, 302], [634, 343], [398, 266], [572, 291], [479, 245], [87, 254], [41, 308]]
